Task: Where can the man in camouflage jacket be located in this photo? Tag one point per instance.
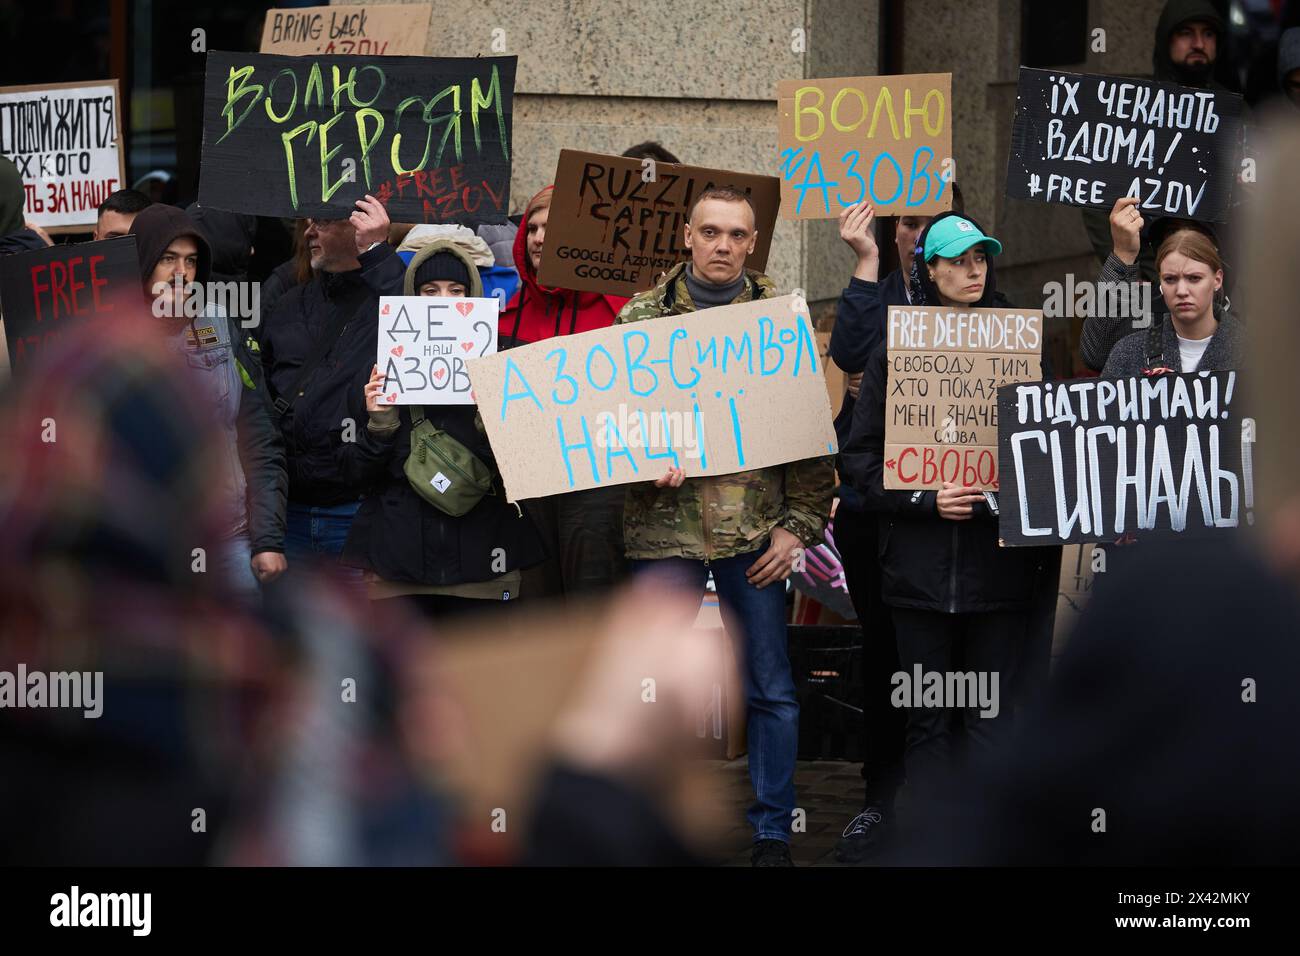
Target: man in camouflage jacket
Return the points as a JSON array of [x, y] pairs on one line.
[[748, 528]]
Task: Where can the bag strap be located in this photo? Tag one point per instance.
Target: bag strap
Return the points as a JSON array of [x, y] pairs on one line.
[[1155, 350], [328, 339]]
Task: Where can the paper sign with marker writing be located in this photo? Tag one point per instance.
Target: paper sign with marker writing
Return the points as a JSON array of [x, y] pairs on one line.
[[886, 140], [729, 389], [425, 343], [66, 140], [1087, 140], [1164, 456], [389, 30], [941, 397]]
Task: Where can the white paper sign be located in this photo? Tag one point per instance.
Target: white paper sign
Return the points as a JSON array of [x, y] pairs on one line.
[[424, 342]]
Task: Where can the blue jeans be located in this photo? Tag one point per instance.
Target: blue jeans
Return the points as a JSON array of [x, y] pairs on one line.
[[315, 535], [773, 709]]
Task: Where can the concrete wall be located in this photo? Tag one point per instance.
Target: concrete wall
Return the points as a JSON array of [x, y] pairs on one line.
[[701, 77]]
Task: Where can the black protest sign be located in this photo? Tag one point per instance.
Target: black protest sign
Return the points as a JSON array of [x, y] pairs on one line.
[[616, 223], [1095, 459], [49, 293], [306, 136], [1088, 140]]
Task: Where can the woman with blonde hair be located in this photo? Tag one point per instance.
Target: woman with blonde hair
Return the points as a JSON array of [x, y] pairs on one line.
[[1198, 333]]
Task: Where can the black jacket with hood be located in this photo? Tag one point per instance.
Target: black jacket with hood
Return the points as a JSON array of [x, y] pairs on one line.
[[261, 451], [1164, 70], [928, 562], [14, 234], [397, 534], [312, 424]]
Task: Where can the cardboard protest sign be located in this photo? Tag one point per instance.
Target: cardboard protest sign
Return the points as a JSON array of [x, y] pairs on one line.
[[308, 136], [879, 139], [1088, 140], [424, 343], [941, 401], [733, 388], [1094, 459], [389, 30], [612, 230], [49, 293], [66, 140]]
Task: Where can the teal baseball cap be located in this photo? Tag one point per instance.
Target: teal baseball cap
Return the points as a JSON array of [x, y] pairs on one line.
[[951, 236]]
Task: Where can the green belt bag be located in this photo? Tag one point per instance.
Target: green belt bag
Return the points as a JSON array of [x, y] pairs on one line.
[[443, 471]]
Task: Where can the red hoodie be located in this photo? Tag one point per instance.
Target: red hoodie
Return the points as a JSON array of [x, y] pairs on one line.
[[538, 312]]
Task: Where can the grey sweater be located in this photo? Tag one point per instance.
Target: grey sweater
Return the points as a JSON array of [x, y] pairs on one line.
[[1225, 351]]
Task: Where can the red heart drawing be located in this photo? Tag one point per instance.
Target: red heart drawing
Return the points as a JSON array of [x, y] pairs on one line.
[[439, 373], [392, 398], [384, 311], [467, 345], [464, 308], [397, 350]]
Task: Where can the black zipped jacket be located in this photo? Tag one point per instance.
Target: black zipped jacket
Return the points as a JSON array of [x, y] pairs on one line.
[[928, 562], [312, 424]]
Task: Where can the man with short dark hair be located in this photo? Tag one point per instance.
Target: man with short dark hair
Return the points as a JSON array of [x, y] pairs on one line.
[[118, 211], [651, 149], [748, 529]]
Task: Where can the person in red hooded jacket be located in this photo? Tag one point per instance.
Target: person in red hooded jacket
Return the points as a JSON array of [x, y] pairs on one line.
[[583, 530]]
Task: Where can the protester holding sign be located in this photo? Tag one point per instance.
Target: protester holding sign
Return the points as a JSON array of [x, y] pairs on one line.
[[584, 530], [958, 601], [316, 343], [444, 563], [859, 327], [746, 528], [222, 358], [1186, 50], [1198, 332]]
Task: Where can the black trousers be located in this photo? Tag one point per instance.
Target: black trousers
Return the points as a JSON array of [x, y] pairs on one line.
[[990, 642], [883, 725], [583, 531]]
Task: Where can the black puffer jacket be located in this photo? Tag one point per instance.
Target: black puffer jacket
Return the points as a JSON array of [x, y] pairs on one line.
[[311, 426], [397, 534]]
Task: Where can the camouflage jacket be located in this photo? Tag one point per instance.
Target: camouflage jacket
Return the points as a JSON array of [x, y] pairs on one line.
[[724, 515]]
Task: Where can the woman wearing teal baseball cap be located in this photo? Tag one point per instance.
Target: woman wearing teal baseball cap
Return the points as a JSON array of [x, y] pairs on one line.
[[954, 265], [959, 603]]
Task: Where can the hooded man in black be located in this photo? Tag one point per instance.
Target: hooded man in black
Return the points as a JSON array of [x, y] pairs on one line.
[[15, 236], [223, 360]]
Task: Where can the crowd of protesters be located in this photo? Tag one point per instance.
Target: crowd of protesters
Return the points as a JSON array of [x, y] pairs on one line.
[[318, 539]]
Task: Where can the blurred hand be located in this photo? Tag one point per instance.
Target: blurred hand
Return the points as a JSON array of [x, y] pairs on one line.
[[956, 502], [855, 384], [1126, 229], [855, 230], [40, 232], [269, 565], [371, 221], [777, 562], [673, 479]]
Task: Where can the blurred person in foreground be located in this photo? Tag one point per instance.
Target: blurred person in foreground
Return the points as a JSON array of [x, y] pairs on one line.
[[219, 735], [1176, 705]]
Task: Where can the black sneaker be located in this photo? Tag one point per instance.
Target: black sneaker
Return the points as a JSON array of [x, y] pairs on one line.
[[771, 853], [865, 835]]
